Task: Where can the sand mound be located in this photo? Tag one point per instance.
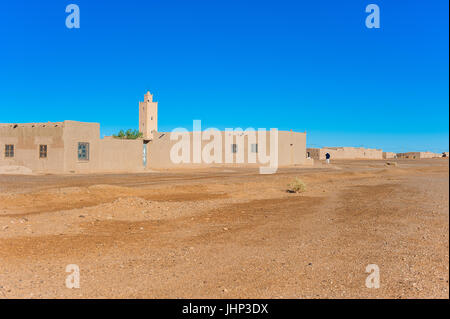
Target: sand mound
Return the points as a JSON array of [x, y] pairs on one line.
[[130, 202]]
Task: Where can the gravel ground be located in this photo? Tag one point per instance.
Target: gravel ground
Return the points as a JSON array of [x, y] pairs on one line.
[[229, 233]]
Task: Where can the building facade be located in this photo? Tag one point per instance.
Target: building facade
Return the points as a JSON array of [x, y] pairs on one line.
[[418, 155], [67, 147], [234, 148], [76, 147], [345, 153]]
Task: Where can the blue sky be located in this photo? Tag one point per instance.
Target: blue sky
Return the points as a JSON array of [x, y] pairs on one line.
[[301, 65]]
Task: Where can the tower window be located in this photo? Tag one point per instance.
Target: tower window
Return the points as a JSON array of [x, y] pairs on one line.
[[234, 148], [254, 148], [9, 150], [42, 151]]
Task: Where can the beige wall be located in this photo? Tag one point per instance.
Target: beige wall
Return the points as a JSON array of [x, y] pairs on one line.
[[388, 155], [291, 149], [121, 155], [105, 155], [345, 153], [110, 154], [26, 139], [418, 155], [75, 132], [313, 153]]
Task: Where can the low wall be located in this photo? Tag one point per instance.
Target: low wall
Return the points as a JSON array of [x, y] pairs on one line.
[[345, 153], [291, 149], [388, 155], [121, 155], [418, 155]]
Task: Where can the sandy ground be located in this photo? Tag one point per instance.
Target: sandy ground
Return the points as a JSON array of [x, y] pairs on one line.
[[229, 233]]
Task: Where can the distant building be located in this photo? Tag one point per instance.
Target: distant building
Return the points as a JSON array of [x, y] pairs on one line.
[[418, 155], [389, 155], [345, 153]]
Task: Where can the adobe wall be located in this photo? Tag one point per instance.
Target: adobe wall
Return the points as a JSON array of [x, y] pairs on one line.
[[26, 139], [430, 155], [159, 149], [335, 153], [75, 132], [105, 155], [409, 155], [62, 138], [345, 153], [388, 155], [291, 148], [121, 155], [313, 153], [418, 155]]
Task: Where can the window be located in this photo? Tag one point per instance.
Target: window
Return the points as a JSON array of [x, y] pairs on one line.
[[42, 151], [233, 148], [83, 151], [254, 148], [9, 150]]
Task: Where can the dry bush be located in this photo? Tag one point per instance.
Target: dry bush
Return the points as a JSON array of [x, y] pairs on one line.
[[298, 186]]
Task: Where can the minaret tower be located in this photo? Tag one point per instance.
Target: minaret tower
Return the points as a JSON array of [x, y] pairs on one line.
[[148, 116]]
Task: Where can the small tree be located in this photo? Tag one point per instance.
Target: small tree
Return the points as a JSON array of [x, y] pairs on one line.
[[129, 134], [120, 135]]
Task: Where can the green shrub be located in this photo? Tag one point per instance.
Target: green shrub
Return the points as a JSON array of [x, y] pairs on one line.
[[129, 134]]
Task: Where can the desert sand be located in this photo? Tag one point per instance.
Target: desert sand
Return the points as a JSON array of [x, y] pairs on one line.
[[229, 232]]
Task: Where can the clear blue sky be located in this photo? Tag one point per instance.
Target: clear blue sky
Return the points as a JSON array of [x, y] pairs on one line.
[[301, 65]]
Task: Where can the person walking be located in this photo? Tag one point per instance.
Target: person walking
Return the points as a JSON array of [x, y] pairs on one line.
[[327, 156]]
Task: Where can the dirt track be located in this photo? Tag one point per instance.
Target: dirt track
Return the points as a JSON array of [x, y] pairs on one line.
[[229, 233]]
